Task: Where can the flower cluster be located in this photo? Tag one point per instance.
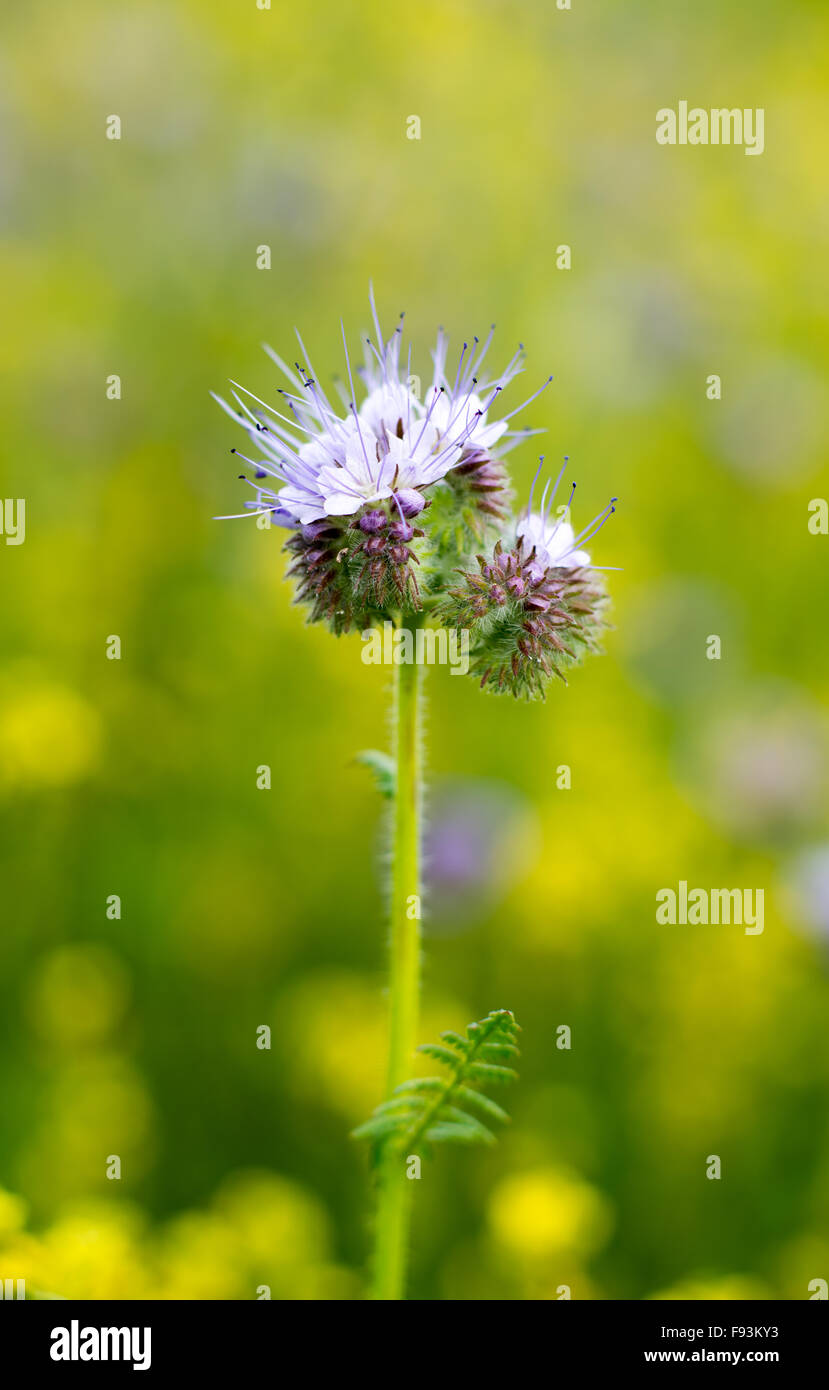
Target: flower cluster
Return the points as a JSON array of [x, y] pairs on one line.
[[536, 608], [387, 501]]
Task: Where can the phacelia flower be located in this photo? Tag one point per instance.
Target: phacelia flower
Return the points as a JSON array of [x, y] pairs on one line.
[[535, 609], [324, 460], [386, 498]]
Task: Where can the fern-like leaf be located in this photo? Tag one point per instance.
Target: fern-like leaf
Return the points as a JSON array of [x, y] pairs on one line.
[[383, 769], [452, 1109]]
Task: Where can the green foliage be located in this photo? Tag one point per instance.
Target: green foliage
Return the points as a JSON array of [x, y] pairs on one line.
[[384, 769], [456, 526], [453, 1109]]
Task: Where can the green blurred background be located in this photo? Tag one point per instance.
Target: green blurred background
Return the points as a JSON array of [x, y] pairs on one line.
[[137, 1037]]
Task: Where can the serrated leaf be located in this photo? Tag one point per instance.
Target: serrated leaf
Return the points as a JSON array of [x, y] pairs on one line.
[[384, 770], [483, 1103], [428, 1110], [421, 1083], [459, 1117], [378, 1127], [453, 1134], [440, 1054], [489, 1071], [401, 1105], [500, 1050]]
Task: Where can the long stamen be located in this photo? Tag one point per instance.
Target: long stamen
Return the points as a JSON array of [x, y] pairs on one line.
[[513, 438], [465, 400], [458, 372], [484, 350], [283, 366], [532, 485], [380, 342], [258, 464], [592, 528], [529, 400], [435, 465], [241, 516], [437, 391], [362, 441], [567, 507], [320, 391], [439, 356], [267, 425], [253, 397], [351, 384], [250, 482], [513, 367], [381, 361], [286, 449], [555, 490], [396, 340]]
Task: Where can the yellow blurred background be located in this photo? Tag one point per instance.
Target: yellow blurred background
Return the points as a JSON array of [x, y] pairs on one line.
[[135, 1035]]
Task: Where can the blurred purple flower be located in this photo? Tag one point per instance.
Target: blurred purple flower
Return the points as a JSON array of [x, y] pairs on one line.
[[480, 837], [758, 766], [807, 884]]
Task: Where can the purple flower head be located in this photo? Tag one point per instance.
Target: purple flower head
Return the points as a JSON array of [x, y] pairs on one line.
[[389, 492], [332, 458]]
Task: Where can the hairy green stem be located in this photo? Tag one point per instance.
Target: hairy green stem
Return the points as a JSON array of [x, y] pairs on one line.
[[394, 1188]]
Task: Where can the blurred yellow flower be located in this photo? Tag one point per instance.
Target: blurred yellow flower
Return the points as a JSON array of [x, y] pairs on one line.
[[94, 1251], [341, 1019], [12, 1213], [49, 737], [95, 1107], [546, 1211], [78, 995], [719, 1288], [199, 1258], [262, 1236], [274, 1220]]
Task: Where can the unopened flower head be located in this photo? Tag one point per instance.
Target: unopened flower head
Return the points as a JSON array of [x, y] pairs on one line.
[[536, 608], [385, 496]]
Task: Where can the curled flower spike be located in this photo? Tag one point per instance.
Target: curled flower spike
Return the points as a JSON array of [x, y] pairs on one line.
[[533, 610]]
